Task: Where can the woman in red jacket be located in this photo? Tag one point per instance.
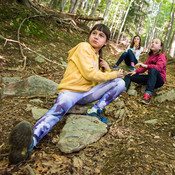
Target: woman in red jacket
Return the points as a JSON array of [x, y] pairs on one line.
[[156, 66]]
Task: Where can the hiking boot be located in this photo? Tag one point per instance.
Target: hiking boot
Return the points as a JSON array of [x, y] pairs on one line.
[[99, 116], [146, 99], [21, 142]]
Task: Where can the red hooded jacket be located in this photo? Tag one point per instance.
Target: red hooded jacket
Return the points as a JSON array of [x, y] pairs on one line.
[[157, 62]]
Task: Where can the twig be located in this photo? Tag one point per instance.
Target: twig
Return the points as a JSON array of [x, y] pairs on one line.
[[6, 40], [1, 145], [21, 50], [30, 170], [168, 154]]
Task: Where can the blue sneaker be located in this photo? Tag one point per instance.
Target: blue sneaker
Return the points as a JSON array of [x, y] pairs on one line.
[[99, 116], [21, 142], [115, 68], [131, 69]]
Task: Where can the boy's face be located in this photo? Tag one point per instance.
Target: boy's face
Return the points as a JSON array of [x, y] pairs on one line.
[[97, 39], [156, 45]]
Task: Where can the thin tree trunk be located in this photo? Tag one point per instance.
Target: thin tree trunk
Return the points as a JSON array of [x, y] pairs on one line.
[[114, 17], [170, 32], [63, 5], [83, 4], [154, 28], [86, 6], [73, 2], [77, 4], [117, 23], [172, 49], [90, 8], [109, 2], [150, 25], [169, 25], [95, 8], [124, 21]]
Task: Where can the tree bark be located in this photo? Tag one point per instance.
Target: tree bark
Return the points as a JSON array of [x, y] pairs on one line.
[[63, 5], [73, 2], [83, 4], [109, 2], [124, 21], [114, 17], [77, 4], [169, 25], [95, 8], [117, 23], [172, 49], [155, 24], [170, 32]]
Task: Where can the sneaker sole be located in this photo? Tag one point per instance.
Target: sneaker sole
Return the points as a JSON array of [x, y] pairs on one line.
[[145, 102], [20, 139]]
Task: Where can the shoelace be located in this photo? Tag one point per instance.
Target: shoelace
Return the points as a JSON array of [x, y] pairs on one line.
[[99, 115], [146, 96]]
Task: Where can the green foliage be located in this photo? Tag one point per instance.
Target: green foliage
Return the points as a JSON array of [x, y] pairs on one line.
[[35, 28]]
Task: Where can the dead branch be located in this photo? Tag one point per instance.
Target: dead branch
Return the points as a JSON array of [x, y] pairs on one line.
[[10, 40], [77, 16]]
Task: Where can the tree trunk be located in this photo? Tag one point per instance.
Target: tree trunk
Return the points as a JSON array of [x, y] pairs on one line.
[[150, 25], [77, 4], [72, 2], [54, 4], [109, 2], [170, 32], [157, 16], [82, 4], [169, 25], [117, 23], [63, 5], [86, 6], [172, 49], [90, 7], [115, 14], [124, 21], [95, 8]]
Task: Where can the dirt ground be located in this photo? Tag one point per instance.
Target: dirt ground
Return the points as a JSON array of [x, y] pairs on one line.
[[129, 147]]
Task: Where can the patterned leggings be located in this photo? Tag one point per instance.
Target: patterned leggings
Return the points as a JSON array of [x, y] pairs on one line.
[[105, 93]]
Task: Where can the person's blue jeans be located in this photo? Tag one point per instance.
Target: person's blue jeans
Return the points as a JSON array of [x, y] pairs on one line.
[[152, 81], [128, 57]]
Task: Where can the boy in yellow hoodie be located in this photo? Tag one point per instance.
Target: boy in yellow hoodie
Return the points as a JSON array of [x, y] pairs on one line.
[[83, 82]]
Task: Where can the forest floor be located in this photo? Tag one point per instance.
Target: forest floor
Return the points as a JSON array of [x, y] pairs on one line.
[[129, 147]]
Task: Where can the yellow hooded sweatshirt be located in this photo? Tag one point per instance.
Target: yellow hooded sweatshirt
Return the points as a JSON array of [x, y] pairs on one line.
[[82, 72]]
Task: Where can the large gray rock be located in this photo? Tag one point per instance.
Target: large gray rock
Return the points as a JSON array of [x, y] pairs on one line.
[[79, 131], [37, 113], [169, 96], [34, 85], [80, 109], [9, 79], [132, 92]]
